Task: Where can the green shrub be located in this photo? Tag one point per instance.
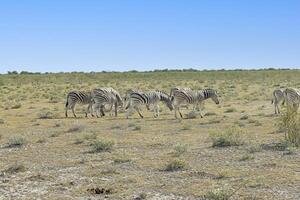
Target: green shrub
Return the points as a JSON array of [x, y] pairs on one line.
[[179, 149], [191, 115], [218, 194], [175, 165], [16, 106], [15, 168], [231, 137], [230, 110], [16, 141], [290, 124], [101, 146]]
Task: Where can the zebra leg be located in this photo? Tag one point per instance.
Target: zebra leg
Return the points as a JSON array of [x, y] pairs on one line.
[[116, 109], [138, 110], [156, 111], [101, 111], [73, 110], [179, 112], [87, 110], [129, 110], [66, 113]]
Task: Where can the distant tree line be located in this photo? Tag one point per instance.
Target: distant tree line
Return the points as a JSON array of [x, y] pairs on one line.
[[155, 70]]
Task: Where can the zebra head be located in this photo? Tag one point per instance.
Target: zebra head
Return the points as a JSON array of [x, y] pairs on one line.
[[166, 99], [210, 93]]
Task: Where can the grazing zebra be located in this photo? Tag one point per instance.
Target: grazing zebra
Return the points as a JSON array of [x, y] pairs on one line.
[[106, 96], [192, 97], [278, 96], [136, 99], [81, 98], [292, 98]]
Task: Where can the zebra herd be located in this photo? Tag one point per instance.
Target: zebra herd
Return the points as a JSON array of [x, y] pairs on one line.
[[290, 96], [99, 99]]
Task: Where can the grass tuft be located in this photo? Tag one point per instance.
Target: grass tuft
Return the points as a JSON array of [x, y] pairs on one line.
[[16, 141], [101, 146], [175, 165], [231, 137]]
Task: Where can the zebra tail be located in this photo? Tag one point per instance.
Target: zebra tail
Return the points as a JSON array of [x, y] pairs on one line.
[[67, 103], [272, 101]]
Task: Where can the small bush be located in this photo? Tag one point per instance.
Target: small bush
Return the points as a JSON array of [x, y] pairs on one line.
[[246, 157], [121, 160], [1, 121], [101, 146], [290, 124], [230, 110], [231, 137], [218, 194], [16, 106], [191, 115], [76, 128], [16, 141], [210, 114], [179, 149], [175, 165], [15, 169], [137, 128], [47, 115], [79, 141], [244, 117], [41, 140]]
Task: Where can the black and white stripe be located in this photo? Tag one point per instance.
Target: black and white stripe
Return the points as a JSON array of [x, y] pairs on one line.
[[136, 99], [180, 97], [106, 96], [292, 98], [80, 97], [278, 97]]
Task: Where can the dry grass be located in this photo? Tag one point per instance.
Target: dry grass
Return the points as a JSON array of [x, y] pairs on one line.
[[160, 158]]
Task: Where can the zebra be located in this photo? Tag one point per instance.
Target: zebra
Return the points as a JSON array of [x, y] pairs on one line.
[[278, 96], [292, 98], [195, 106], [104, 96], [192, 97], [136, 99], [81, 97]]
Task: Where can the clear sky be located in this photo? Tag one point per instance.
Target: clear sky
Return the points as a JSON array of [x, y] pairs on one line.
[[120, 35]]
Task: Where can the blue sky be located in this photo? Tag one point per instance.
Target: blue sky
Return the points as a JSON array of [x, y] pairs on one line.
[[120, 35]]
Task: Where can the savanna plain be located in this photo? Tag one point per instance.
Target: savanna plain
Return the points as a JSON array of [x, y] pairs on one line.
[[236, 151]]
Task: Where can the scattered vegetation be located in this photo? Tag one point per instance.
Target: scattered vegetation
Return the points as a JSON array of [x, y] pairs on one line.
[[218, 194], [16, 141], [191, 115], [15, 168], [101, 146], [230, 137], [290, 124], [47, 115], [179, 150], [175, 165], [76, 128], [16, 106], [230, 110]]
